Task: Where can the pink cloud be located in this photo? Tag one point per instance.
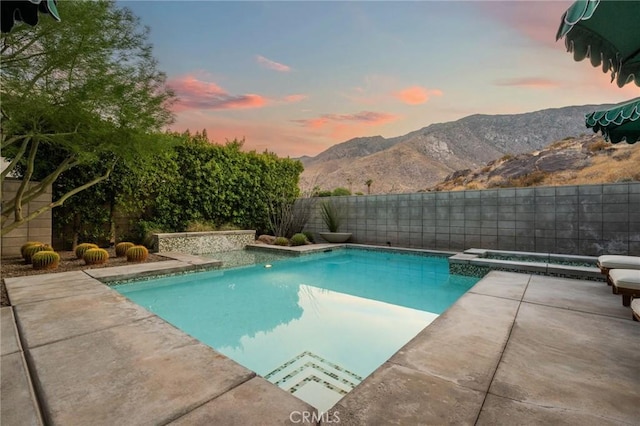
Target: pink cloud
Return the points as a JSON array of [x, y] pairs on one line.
[[272, 65], [195, 94], [416, 95], [529, 82], [369, 118], [295, 98], [539, 21]]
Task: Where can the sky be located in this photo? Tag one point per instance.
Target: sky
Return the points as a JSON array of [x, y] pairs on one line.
[[296, 77]]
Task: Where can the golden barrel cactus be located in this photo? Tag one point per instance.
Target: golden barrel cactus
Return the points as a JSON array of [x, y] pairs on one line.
[[137, 254], [45, 260], [95, 256]]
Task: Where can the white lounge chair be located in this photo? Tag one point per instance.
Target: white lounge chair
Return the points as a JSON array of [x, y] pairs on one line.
[[625, 282], [613, 261], [635, 308]]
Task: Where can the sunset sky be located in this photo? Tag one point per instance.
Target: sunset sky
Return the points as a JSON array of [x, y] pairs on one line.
[[298, 77]]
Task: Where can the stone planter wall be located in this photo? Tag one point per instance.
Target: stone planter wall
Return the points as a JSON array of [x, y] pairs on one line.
[[203, 242]]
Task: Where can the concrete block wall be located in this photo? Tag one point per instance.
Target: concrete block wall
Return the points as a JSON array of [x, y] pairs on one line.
[[587, 219], [38, 229]]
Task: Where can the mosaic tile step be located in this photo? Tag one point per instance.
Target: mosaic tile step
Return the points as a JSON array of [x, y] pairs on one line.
[[309, 367]]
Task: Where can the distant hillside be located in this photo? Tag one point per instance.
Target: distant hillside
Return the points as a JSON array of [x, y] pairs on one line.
[[571, 161], [422, 158]]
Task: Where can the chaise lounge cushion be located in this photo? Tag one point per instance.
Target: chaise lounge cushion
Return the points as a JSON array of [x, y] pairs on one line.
[[625, 282], [635, 307], [612, 261], [627, 279]]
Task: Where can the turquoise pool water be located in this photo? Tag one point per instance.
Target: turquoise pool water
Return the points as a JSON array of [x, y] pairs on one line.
[[315, 325]]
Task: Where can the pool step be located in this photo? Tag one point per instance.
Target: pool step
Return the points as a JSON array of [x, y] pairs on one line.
[[310, 376]]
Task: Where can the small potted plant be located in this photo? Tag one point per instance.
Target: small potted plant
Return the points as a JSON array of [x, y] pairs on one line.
[[332, 218]]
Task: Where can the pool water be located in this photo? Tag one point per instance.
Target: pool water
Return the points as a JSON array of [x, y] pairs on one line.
[[315, 325]]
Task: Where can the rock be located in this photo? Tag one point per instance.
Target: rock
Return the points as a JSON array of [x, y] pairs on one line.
[[266, 239]]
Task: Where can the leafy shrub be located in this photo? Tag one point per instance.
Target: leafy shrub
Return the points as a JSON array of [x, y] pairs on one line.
[[142, 232], [309, 236], [82, 248], [137, 254], [122, 247], [45, 260], [281, 241], [95, 256], [299, 240], [323, 193]]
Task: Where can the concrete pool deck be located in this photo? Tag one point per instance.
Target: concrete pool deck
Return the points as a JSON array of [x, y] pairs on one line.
[[516, 348]]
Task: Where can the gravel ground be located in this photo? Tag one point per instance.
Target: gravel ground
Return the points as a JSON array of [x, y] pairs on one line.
[[15, 267]]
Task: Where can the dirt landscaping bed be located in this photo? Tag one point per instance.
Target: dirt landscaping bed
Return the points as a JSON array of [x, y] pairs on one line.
[[15, 267]]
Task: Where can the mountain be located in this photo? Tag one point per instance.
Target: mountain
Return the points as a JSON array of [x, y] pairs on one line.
[[424, 157], [571, 161]]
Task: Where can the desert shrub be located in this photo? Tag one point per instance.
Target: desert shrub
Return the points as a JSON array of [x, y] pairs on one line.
[[622, 155], [323, 193], [299, 240], [599, 145], [309, 236], [137, 254], [506, 157], [95, 256], [530, 179], [45, 260], [82, 248], [472, 186], [331, 216], [340, 192], [228, 227], [281, 241], [33, 249], [122, 247], [200, 226], [359, 193]]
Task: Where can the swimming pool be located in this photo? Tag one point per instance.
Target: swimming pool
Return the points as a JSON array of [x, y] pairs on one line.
[[315, 325]]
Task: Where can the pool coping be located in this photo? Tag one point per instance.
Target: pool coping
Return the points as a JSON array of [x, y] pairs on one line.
[[112, 320]]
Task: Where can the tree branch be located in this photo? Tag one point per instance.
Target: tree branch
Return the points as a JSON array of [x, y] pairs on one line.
[[15, 160], [25, 180], [6, 229]]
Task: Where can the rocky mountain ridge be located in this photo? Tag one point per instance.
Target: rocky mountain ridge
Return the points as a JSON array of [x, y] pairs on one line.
[[423, 158]]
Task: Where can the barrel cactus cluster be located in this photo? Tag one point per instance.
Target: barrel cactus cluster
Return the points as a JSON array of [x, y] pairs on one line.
[[121, 248], [82, 248], [45, 260], [39, 255], [30, 250]]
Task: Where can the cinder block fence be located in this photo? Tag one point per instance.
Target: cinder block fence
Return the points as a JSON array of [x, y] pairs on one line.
[[38, 229], [586, 219]]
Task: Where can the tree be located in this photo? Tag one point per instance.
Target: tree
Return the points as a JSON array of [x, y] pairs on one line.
[[368, 183], [82, 92]]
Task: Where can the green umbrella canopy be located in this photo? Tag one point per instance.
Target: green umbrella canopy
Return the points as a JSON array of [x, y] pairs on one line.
[[618, 123], [25, 11], [607, 32]]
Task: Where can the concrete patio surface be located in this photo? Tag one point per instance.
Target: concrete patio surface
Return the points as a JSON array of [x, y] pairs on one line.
[[515, 349]]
